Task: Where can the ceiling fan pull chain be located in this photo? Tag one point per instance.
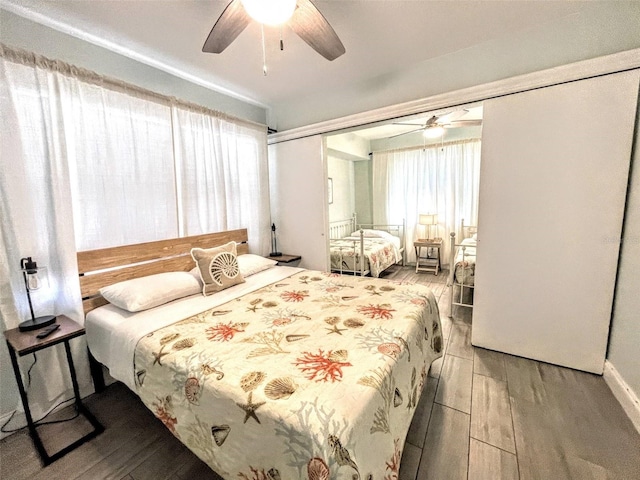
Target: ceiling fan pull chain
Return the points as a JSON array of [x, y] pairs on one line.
[[281, 41], [264, 52]]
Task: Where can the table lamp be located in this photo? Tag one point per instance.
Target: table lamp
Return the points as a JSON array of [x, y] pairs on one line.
[[34, 278], [428, 219], [274, 243]]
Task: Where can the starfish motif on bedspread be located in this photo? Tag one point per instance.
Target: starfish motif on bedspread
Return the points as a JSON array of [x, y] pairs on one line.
[[250, 408], [335, 329], [158, 356]]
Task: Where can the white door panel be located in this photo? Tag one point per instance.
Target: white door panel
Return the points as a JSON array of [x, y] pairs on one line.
[[555, 163], [298, 179]]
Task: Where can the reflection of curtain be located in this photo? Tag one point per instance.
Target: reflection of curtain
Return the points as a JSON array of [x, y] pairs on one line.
[[439, 179], [222, 175], [37, 221]]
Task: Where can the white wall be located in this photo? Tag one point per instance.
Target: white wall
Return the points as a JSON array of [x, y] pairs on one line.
[[363, 191], [19, 32], [341, 173], [624, 339]]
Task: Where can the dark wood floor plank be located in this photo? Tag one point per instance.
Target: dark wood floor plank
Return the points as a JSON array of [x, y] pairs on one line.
[[460, 342], [163, 462], [420, 423], [489, 363], [454, 386], [410, 462], [487, 462], [491, 413], [524, 379], [575, 441], [18, 457], [446, 450], [194, 469]]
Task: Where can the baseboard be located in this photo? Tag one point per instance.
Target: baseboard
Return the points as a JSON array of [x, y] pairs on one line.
[[623, 393]]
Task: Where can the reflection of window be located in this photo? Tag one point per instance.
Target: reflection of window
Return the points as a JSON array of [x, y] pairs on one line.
[[331, 190]]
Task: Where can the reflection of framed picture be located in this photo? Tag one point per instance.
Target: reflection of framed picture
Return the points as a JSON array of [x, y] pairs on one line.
[[331, 190]]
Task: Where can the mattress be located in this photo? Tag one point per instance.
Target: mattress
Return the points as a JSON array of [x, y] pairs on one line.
[[112, 333], [379, 254], [296, 374]]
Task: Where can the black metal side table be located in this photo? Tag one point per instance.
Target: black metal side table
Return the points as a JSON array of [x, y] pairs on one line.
[[23, 343]]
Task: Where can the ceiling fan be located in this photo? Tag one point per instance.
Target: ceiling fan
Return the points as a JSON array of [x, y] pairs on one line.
[[301, 15], [435, 125]]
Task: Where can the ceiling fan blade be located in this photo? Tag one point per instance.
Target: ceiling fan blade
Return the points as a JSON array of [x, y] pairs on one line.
[[462, 123], [452, 116], [232, 22], [406, 133], [311, 26]]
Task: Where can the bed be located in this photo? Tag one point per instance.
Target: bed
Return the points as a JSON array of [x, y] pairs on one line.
[[462, 267], [289, 374], [364, 249]]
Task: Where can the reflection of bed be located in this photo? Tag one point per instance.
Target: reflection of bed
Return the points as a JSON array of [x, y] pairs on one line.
[[462, 267], [365, 249], [291, 374]]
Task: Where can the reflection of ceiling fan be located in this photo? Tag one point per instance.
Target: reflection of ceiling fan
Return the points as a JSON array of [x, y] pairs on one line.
[[434, 126], [301, 15]]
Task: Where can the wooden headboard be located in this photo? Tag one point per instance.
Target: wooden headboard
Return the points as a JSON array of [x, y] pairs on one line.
[[99, 268]]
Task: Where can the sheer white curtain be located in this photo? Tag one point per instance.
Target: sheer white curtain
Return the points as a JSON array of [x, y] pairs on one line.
[[122, 169], [86, 166], [441, 179], [37, 221], [222, 175]]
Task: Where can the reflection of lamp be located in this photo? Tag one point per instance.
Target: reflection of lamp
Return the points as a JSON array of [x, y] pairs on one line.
[[428, 219], [274, 244], [274, 12], [33, 281]]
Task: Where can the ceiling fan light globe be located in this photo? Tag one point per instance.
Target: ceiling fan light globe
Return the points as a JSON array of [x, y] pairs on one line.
[[270, 12], [433, 132]]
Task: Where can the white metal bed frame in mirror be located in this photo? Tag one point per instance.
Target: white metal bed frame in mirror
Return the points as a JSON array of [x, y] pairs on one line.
[[460, 255], [340, 229]]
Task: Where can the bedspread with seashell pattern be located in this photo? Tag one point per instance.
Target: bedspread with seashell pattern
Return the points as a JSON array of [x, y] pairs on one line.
[[314, 377]]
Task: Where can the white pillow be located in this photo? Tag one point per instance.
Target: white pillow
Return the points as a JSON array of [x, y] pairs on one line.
[[369, 233], [147, 292], [249, 264]]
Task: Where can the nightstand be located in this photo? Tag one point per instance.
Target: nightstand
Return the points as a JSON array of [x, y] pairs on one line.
[[286, 259], [23, 343], [431, 262]]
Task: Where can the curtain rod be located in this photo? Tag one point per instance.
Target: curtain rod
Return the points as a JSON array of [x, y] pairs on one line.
[[28, 58], [424, 147]]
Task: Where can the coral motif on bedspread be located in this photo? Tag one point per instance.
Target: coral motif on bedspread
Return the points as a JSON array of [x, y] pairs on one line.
[[314, 377]]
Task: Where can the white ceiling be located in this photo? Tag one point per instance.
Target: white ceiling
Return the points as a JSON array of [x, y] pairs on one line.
[[380, 36], [396, 50]]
